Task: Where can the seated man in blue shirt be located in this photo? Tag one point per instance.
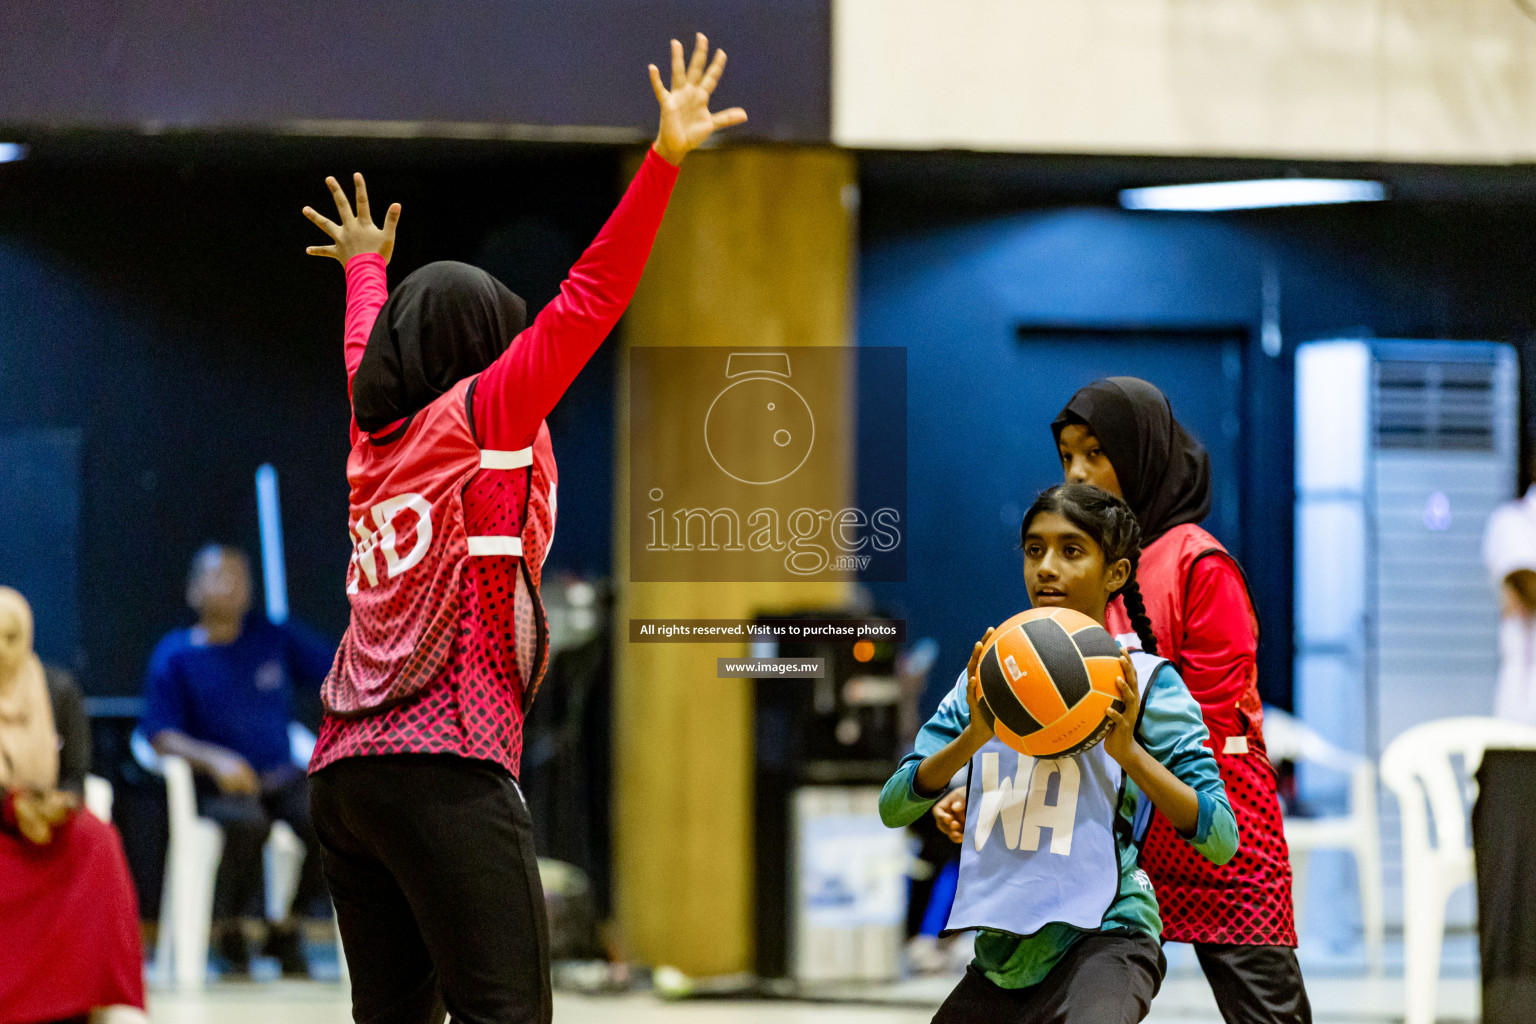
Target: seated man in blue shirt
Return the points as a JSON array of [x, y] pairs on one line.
[[221, 695]]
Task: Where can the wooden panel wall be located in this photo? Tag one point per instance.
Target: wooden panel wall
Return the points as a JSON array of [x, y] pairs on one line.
[[756, 250], [1435, 80]]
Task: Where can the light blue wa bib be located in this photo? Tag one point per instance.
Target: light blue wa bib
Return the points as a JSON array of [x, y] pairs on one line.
[[1040, 836]]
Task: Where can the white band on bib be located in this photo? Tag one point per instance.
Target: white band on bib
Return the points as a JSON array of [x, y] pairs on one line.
[[496, 546], [492, 459]]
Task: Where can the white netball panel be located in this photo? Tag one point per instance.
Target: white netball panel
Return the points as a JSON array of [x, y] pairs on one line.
[[496, 545]]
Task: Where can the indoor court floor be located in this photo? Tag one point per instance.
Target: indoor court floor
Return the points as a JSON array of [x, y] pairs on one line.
[[1340, 991]]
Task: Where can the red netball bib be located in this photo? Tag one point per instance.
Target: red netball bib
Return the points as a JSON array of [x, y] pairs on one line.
[[409, 546]]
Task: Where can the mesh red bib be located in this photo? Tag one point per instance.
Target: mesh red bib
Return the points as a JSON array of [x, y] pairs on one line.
[[1247, 900], [1163, 576], [409, 547]]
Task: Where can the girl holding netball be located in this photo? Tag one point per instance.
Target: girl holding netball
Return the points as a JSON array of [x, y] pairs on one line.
[[424, 836], [1068, 926], [1120, 434]]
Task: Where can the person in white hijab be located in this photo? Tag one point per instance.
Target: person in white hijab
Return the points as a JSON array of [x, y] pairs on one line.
[[68, 915], [29, 744], [1509, 552]]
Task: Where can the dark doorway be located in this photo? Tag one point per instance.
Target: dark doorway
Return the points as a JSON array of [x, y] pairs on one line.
[[1200, 370]]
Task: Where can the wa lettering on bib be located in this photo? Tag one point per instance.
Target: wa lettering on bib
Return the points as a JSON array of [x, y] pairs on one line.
[[1040, 841]]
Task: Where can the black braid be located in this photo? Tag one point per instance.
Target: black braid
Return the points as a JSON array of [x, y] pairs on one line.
[[1137, 608], [1113, 526]]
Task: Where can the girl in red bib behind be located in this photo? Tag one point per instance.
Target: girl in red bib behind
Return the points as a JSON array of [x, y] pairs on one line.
[[1120, 434], [424, 836]]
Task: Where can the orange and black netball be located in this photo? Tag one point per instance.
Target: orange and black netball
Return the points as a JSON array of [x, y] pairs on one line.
[[1048, 677]]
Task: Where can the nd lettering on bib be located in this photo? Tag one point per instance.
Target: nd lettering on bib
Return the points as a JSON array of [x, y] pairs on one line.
[[1040, 841], [411, 544]]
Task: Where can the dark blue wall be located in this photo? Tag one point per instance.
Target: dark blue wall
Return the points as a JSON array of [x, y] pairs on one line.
[[161, 304], [268, 63], [40, 511], [956, 290]]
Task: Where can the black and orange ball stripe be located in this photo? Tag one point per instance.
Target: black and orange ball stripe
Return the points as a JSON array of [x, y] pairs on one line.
[[1047, 677]]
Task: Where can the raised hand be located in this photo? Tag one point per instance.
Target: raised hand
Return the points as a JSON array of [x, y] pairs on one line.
[[686, 120], [356, 233]]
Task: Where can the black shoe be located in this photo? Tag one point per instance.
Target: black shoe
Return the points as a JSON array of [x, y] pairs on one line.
[[231, 955], [284, 946]]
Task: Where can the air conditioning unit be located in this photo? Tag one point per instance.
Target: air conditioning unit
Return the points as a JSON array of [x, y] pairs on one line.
[[1403, 449]]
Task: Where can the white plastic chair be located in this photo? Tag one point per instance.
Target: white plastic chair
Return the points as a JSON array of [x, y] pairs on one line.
[[283, 873], [192, 865], [98, 797], [1359, 831], [283, 855], [1417, 768]]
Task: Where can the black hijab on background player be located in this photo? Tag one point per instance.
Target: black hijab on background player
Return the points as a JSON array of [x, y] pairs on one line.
[[445, 322], [1164, 471]]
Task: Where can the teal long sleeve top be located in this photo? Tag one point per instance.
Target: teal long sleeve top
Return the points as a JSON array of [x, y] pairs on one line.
[[1173, 731]]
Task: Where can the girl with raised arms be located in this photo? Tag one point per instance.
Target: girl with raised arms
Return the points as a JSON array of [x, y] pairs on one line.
[[425, 839]]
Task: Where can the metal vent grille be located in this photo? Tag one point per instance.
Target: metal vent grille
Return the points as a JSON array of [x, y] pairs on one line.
[[1435, 405]]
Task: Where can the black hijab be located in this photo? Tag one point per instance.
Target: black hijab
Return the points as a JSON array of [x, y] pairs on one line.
[[445, 322], [1164, 471]]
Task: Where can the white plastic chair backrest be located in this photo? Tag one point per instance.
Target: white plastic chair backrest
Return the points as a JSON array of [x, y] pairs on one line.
[[1417, 766], [1288, 738], [98, 797], [144, 753]]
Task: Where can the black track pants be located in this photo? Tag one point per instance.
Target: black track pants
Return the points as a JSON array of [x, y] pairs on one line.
[[1102, 979], [1255, 984], [431, 865]]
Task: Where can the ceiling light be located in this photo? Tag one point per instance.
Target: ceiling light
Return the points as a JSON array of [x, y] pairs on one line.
[[1252, 195], [11, 151]]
